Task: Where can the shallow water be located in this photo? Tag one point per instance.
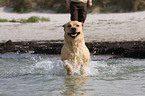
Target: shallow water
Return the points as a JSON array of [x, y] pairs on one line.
[[44, 75]]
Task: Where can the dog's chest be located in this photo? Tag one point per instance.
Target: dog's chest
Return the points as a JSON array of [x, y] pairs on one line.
[[79, 52]]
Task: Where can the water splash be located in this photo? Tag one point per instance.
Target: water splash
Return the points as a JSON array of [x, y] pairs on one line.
[[56, 67], [50, 67], [27, 64]]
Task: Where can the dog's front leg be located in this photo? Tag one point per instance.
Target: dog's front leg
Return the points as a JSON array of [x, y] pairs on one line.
[[82, 70], [68, 69], [83, 67]]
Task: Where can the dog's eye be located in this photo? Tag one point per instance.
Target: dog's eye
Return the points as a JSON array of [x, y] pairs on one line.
[[77, 25], [69, 26]]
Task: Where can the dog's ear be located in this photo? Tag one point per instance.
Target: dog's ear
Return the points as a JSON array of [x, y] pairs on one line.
[[63, 26]]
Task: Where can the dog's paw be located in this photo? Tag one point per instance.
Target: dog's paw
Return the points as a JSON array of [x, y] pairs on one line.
[[69, 70]]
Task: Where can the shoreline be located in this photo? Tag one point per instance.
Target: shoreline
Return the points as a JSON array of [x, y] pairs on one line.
[[130, 49]]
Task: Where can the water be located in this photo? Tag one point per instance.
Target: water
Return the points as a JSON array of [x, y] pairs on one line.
[[44, 75]]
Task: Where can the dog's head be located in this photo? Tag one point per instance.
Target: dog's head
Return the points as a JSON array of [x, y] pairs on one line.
[[73, 29]]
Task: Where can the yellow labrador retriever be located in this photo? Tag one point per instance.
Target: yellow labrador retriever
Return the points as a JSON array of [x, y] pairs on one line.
[[74, 52]]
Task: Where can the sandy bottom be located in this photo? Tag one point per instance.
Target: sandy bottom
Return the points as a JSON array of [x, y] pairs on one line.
[[98, 27]]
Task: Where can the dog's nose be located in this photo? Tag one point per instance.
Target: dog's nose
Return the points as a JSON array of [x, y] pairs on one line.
[[73, 29]]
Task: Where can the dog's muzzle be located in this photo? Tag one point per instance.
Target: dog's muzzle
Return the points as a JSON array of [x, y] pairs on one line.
[[73, 33]]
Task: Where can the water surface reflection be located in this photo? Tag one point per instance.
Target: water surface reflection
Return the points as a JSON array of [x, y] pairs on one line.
[[75, 86]]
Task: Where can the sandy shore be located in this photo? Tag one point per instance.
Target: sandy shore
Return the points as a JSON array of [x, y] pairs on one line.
[[98, 27]]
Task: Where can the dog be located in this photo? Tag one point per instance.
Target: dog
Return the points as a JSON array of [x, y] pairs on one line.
[[74, 52]]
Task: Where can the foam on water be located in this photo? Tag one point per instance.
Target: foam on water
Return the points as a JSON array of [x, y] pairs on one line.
[[50, 67], [95, 68], [56, 67], [25, 64]]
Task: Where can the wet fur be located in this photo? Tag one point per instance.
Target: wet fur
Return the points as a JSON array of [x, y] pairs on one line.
[[74, 52]]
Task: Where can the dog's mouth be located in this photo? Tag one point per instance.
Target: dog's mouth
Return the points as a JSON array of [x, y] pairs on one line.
[[73, 34]]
